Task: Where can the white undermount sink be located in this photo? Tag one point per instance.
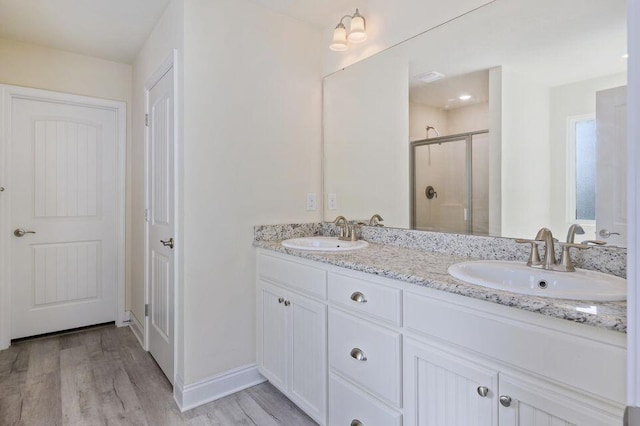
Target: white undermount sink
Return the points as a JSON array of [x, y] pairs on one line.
[[520, 278], [323, 244]]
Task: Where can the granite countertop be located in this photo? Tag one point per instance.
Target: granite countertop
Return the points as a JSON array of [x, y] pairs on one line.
[[429, 269]]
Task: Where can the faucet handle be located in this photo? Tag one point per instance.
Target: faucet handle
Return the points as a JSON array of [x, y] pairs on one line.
[[574, 245], [566, 265], [534, 255], [594, 242]]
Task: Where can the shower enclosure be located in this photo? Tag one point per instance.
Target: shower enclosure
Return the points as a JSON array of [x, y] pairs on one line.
[[450, 183]]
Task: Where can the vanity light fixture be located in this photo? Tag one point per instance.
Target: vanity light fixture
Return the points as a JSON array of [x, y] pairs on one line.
[[464, 97], [357, 32]]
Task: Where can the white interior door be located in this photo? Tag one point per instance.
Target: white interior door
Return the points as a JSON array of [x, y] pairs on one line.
[[63, 189], [611, 166], [160, 205]]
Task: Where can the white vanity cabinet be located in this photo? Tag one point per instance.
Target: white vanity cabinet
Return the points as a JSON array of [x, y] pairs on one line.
[[354, 349], [292, 338], [442, 389]]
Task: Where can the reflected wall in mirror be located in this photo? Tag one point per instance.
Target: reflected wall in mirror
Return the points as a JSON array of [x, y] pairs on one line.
[[535, 92]]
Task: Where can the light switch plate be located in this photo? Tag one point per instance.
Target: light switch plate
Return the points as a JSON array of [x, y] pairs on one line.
[[332, 201], [311, 201]]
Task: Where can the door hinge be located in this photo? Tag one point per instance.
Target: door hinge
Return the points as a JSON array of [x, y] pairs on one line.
[[146, 310], [146, 120]]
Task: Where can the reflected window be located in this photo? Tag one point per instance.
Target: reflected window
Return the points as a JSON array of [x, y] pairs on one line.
[[582, 181], [586, 170]]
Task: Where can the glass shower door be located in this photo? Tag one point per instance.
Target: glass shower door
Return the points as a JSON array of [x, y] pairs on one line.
[[441, 185]]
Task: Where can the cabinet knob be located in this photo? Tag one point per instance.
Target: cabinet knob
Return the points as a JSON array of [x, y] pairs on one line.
[[356, 422], [280, 299], [483, 391], [287, 303], [505, 400], [358, 297], [358, 355]]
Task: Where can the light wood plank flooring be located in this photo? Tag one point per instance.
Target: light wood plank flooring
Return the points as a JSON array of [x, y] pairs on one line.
[[101, 376]]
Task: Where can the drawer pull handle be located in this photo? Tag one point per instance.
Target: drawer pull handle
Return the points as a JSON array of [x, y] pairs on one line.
[[356, 422], [358, 355], [483, 391], [505, 400], [358, 297]]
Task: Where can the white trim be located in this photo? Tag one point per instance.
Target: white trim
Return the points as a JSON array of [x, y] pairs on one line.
[[169, 63], [633, 203], [137, 328], [215, 387], [120, 108]]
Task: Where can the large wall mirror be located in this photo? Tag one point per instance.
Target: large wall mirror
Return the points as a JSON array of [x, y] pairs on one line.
[[502, 121]]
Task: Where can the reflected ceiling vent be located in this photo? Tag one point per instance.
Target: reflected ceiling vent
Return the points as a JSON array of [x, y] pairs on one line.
[[429, 77]]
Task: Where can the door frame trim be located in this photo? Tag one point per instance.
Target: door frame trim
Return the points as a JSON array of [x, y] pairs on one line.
[[171, 62], [7, 94]]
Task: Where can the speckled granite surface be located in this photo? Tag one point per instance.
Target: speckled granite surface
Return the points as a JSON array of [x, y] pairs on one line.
[[610, 260], [429, 268]]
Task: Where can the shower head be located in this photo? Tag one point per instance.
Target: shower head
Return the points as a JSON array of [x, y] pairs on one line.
[[432, 128]]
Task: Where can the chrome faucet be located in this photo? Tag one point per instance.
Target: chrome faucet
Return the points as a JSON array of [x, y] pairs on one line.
[[549, 262], [574, 230], [375, 220], [347, 232]]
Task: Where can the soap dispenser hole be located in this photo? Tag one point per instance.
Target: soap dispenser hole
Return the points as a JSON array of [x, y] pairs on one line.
[[543, 284]]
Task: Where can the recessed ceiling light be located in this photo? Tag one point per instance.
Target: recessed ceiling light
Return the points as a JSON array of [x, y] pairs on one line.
[[464, 97], [429, 77]]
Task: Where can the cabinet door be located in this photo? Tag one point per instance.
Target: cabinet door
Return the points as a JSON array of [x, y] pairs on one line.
[[441, 389], [532, 405], [273, 325], [308, 343]]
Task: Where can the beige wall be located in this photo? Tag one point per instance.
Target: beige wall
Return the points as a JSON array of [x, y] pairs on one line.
[[421, 115], [525, 155], [252, 151], [448, 122], [39, 67], [166, 36], [468, 119]]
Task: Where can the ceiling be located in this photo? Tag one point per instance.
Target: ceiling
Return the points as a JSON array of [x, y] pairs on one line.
[[445, 93], [109, 29]]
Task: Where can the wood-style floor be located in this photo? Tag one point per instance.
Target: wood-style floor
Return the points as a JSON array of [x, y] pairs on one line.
[[101, 376]]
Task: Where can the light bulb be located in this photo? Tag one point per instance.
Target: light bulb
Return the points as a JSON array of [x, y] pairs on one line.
[[339, 41], [357, 33]]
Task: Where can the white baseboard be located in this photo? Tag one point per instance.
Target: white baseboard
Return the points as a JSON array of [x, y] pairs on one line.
[[215, 387], [138, 329]]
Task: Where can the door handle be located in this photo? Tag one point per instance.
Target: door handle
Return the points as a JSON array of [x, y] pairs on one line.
[[605, 233], [19, 232], [167, 243]]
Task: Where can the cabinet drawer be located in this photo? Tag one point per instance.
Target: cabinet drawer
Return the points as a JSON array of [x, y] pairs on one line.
[[379, 369], [348, 405], [360, 296], [303, 278]]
